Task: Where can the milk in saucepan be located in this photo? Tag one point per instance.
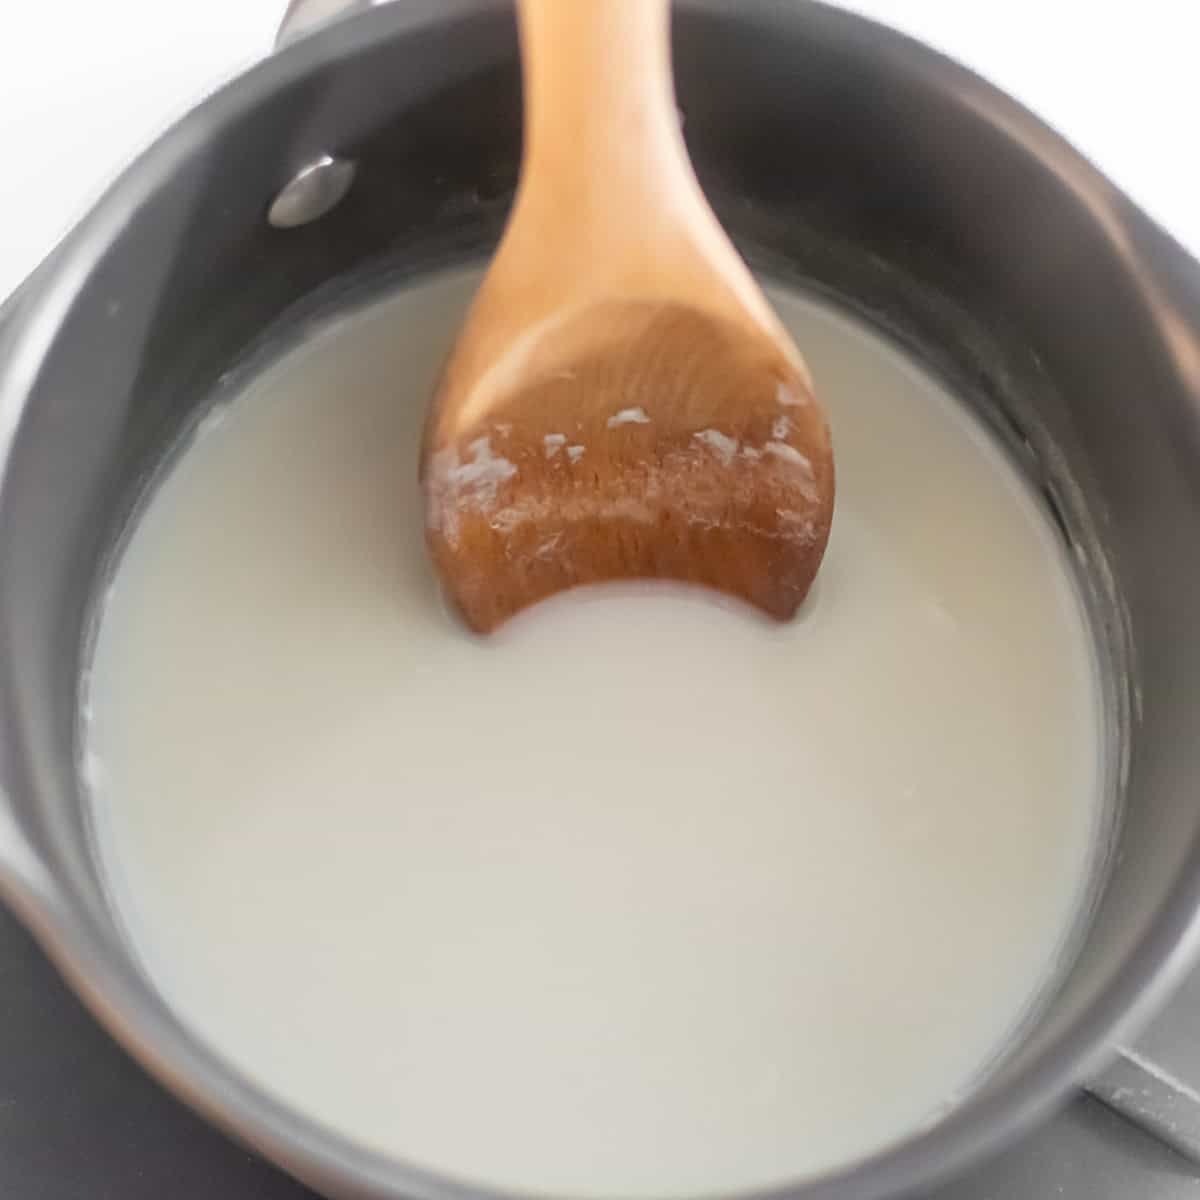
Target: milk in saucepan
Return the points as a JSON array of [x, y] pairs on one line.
[[644, 896]]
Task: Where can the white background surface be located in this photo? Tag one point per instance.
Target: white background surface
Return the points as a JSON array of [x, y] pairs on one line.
[[85, 83]]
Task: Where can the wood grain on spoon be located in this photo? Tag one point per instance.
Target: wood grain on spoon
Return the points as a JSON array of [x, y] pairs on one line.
[[621, 402]]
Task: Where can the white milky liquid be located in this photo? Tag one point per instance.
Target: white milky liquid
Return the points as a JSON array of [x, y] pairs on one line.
[[646, 895]]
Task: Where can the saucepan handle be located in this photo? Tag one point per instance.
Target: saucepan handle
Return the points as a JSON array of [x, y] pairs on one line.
[[22, 875], [8, 309], [307, 16]]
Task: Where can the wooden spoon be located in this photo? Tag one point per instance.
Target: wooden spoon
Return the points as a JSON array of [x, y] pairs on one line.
[[621, 402]]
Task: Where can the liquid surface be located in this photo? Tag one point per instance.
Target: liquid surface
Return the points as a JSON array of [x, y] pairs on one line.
[[646, 895]]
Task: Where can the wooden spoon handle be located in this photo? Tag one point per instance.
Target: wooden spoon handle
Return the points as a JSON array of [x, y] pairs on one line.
[[601, 127]]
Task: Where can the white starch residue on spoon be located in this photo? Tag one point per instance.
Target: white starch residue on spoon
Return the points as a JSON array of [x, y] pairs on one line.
[[644, 895]]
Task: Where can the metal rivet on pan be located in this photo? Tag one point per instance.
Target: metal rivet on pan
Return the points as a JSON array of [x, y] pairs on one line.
[[313, 191]]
